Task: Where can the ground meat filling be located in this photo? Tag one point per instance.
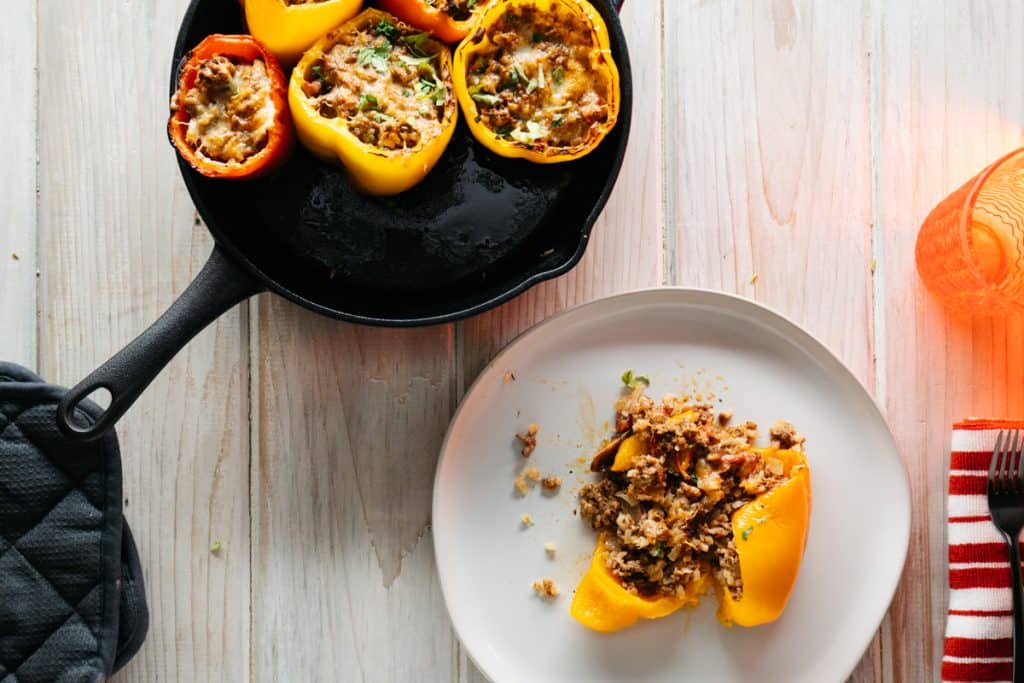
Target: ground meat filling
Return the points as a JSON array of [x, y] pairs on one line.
[[460, 10], [540, 87], [230, 111], [668, 519], [387, 82]]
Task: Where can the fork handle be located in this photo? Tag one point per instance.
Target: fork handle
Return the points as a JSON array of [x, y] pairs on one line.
[[1018, 610]]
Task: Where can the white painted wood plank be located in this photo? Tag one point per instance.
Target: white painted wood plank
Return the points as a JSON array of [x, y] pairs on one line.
[[350, 422], [18, 184], [767, 120], [627, 245], [118, 242], [952, 101]]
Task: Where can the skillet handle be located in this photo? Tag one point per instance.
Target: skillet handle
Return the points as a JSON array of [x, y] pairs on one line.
[[221, 284]]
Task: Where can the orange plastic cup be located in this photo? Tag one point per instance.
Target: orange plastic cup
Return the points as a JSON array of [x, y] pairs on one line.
[[970, 250]]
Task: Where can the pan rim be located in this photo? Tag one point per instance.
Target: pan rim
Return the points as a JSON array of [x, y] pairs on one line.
[[518, 285]]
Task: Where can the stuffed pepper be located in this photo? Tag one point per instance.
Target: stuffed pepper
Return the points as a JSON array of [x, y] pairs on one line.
[[449, 20], [229, 116], [537, 81], [376, 96], [289, 27], [687, 501]]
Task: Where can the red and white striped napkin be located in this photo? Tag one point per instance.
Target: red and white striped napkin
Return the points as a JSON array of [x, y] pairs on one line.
[[979, 625]]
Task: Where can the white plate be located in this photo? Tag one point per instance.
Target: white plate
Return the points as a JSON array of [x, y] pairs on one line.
[[567, 372]]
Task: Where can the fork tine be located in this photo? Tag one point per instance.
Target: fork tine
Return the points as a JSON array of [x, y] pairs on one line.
[[1006, 465], [1010, 460], [1020, 462], [994, 465]]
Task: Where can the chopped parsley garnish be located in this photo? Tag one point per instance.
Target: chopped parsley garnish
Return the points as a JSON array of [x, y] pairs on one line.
[[368, 101], [746, 532], [483, 97], [377, 57], [538, 37], [632, 381], [503, 131], [541, 81], [317, 72], [658, 549], [533, 132], [387, 29], [471, 4], [416, 41], [558, 122], [531, 86], [558, 75]]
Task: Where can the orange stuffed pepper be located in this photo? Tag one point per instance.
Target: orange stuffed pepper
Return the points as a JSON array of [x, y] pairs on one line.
[[449, 20], [688, 502]]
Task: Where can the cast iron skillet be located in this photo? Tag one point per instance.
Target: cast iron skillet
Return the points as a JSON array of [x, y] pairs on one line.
[[477, 231]]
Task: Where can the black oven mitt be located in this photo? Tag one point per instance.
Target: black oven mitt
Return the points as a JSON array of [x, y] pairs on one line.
[[72, 600]]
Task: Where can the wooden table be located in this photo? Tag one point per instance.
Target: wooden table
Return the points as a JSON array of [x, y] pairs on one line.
[[783, 150]]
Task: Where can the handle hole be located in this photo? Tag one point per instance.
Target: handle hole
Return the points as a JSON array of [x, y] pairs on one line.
[[101, 396]]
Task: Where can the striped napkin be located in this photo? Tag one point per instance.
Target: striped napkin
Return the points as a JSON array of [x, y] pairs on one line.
[[979, 625]]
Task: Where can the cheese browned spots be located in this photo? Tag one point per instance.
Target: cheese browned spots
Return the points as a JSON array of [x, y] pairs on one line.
[[386, 81], [543, 81], [230, 110]]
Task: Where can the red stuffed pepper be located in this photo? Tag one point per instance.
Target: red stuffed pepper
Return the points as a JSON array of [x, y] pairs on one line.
[[229, 115]]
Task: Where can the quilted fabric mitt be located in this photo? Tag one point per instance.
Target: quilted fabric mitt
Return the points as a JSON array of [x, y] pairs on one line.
[[72, 600]]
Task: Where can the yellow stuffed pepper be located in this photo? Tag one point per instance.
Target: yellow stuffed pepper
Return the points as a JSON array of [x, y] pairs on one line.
[[688, 503], [770, 534], [289, 27], [536, 80], [376, 96]]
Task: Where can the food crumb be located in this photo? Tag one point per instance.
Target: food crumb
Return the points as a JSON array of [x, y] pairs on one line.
[[532, 473], [724, 417], [521, 486], [550, 548], [874, 264], [215, 547], [551, 482], [14, 256], [529, 439], [753, 278], [527, 520], [545, 588], [509, 376]]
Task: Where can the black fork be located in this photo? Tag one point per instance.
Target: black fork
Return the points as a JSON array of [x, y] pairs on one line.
[[1006, 504]]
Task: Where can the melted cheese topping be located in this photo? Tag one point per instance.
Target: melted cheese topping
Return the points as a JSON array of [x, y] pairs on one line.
[[387, 82], [230, 110], [542, 84]]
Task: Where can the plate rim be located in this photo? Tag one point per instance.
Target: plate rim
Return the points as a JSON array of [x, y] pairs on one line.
[[680, 291]]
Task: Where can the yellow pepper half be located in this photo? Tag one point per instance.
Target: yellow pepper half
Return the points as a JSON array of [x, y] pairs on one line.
[[601, 603], [769, 532], [289, 30], [373, 170], [601, 65]]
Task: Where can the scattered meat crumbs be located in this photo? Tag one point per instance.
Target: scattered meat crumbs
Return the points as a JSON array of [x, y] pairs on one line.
[[545, 588], [532, 473], [527, 520], [529, 440], [521, 486], [509, 376], [550, 548], [551, 482]]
